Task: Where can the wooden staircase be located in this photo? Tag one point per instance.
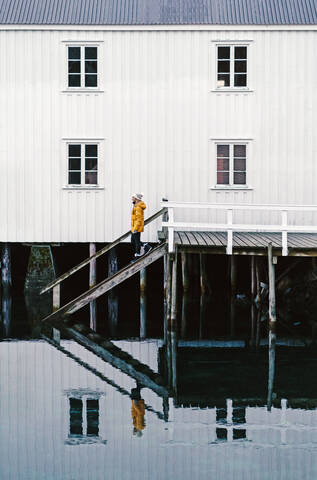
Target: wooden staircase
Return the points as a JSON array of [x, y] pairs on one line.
[[61, 321], [107, 284]]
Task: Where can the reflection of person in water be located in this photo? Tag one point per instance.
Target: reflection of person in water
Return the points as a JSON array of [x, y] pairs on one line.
[[137, 411]]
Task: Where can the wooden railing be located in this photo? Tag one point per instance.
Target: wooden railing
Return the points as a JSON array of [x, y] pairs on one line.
[[229, 227], [55, 285]]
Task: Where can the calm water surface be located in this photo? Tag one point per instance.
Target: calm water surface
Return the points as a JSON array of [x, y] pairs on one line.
[[60, 421]]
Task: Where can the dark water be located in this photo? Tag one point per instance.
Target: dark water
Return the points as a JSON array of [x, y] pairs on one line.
[[66, 414]]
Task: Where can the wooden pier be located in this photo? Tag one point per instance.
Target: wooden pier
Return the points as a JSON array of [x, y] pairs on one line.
[[178, 239]]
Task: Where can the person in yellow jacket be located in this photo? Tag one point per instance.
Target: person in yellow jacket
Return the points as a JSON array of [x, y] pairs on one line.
[[137, 412], [137, 225]]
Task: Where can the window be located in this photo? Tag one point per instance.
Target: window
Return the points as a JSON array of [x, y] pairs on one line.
[[232, 66], [231, 164], [82, 66], [82, 163]]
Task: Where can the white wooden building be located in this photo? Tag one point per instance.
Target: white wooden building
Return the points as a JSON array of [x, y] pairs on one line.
[[196, 102]]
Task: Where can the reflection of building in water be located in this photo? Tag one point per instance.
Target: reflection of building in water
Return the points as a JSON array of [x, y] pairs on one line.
[[84, 416], [229, 419]]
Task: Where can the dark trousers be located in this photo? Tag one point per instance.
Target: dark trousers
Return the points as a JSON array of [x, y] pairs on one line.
[[136, 241]]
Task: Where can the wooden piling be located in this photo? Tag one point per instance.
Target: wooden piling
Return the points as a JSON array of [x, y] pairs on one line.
[[166, 294], [253, 308], [186, 291], [112, 295], [272, 325], [174, 324], [143, 303], [233, 287], [6, 283], [92, 283], [259, 303]]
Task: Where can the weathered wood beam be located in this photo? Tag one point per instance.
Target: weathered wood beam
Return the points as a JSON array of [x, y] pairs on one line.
[[108, 283], [261, 251], [272, 326], [99, 253], [143, 278], [233, 288], [113, 304], [92, 283], [253, 308]]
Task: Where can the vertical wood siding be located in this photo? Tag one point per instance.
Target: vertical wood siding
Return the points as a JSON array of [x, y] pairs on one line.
[[157, 115]]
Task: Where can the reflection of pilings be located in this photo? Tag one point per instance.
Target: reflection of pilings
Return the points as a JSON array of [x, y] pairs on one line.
[[112, 295], [167, 295], [272, 325], [143, 303], [6, 281], [92, 283]]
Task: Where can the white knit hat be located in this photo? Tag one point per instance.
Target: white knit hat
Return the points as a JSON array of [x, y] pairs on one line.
[[139, 196]]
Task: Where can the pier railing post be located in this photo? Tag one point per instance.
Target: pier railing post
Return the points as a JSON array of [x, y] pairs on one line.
[[272, 325], [284, 233], [171, 230], [229, 232]]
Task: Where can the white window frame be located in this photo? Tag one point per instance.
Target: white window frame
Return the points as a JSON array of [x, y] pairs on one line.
[[231, 142], [232, 44], [100, 163], [82, 45]]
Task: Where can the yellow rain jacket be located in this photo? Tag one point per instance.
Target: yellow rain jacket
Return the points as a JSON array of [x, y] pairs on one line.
[[138, 412], [137, 217]]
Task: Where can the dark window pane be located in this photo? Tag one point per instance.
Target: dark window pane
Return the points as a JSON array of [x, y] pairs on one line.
[[91, 151], [239, 164], [74, 178], [221, 415], [239, 178], [76, 416], [74, 53], [74, 80], [91, 53], [221, 433], [239, 151], [222, 164], [240, 80], [90, 80], [223, 52], [240, 66], [73, 67], [91, 66], [74, 164], [91, 178], [223, 67], [223, 80], [74, 150], [91, 164], [240, 52], [93, 417], [238, 415], [223, 178], [222, 150], [239, 433]]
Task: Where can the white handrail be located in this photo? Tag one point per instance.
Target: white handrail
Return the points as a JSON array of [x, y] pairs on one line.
[[230, 227]]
